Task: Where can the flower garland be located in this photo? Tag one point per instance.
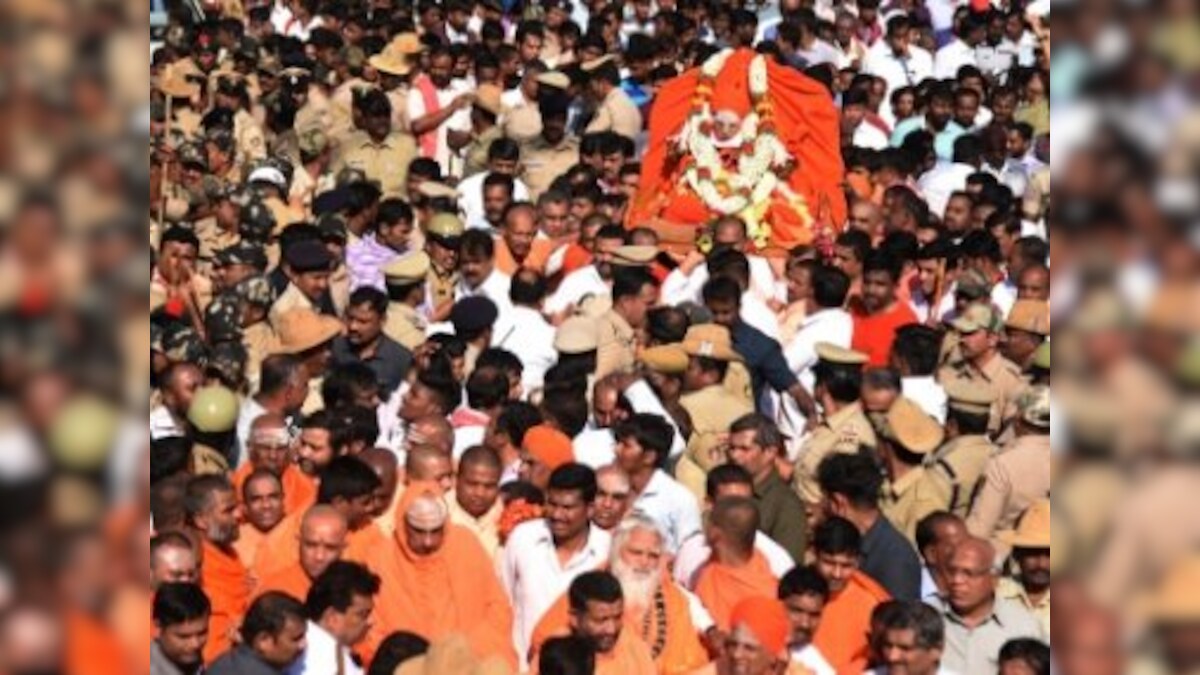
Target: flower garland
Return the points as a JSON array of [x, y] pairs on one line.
[[763, 161]]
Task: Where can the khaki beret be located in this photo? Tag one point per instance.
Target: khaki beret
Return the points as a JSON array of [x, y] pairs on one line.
[[670, 359], [910, 427], [1032, 316], [975, 318], [487, 97], [634, 256], [555, 79], [445, 226], [710, 341], [596, 63], [577, 335], [407, 269], [970, 397], [832, 353], [434, 190]]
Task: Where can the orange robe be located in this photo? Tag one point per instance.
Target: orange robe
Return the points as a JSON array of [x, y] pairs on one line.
[[284, 544], [248, 543], [682, 651], [453, 590], [299, 490], [845, 626], [227, 583], [131, 618], [721, 587], [630, 656], [539, 252], [92, 648], [292, 580]]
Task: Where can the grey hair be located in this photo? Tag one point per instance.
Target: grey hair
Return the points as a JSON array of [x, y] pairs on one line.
[[630, 524]]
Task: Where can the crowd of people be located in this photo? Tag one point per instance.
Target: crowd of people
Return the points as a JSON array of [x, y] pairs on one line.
[[425, 400]]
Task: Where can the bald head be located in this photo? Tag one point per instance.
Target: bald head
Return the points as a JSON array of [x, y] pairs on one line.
[[433, 431], [323, 533], [430, 465], [735, 523], [172, 559], [425, 524], [480, 456], [974, 550], [971, 576]]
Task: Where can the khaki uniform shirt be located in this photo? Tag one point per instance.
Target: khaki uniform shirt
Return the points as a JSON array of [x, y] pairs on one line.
[[290, 299], [617, 113], [712, 410], [917, 494], [523, 123], [1014, 479], [842, 432], [544, 162], [212, 239], [1011, 589], [961, 461], [339, 289], [386, 161], [475, 154], [399, 100], [616, 345], [188, 122], [1001, 376], [316, 112], [404, 325], [439, 288], [248, 134], [314, 401], [260, 341]]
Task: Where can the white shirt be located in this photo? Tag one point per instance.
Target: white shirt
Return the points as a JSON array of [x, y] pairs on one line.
[[672, 506], [582, 282], [470, 199], [1004, 296], [941, 181], [756, 313], [678, 287], [920, 304], [465, 437], [163, 425], [927, 394], [595, 446], [694, 552], [459, 121], [526, 333], [494, 287], [249, 411], [642, 399], [898, 72], [810, 657], [320, 655], [950, 58], [533, 579], [834, 326], [870, 137]]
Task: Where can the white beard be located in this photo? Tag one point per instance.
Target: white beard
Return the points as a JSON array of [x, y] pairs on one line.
[[639, 587]]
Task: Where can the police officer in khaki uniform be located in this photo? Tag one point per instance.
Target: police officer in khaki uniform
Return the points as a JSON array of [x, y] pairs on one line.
[[255, 299], [231, 91], [711, 406], [396, 65], [961, 460], [219, 230], [1019, 474], [1026, 328], [843, 428], [236, 263], [307, 265], [618, 340], [334, 236], [615, 111], [404, 279], [523, 121], [312, 175], [309, 336], [443, 233], [381, 152], [553, 152], [485, 113], [907, 434], [978, 331]]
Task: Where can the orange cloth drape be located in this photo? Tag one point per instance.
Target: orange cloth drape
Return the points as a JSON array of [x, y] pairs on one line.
[[299, 490], [291, 580], [721, 587], [845, 626], [227, 584], [283, 542], [808, 126], [92, 648], [248, 544], [539, 252], [131, 618], [453, 590], [682, 652], [630, 656]]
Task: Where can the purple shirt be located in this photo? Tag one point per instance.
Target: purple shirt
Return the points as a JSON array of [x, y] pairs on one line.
[[365, 259]]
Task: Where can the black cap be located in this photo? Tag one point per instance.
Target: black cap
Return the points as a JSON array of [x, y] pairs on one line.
[[473, 314], [308, 256]]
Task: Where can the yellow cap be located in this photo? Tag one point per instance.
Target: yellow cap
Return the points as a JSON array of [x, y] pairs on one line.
[[445, 226], [1032, 316], [907, 425], [634, 256], [407, 269], [555, 79], [710, 341], [577, 335], [970, 397], [670, 359], [840, 355]]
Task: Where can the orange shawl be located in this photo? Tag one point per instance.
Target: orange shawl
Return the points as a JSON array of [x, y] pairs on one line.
[[453, 590], [284, 544], [248, 543], [720, 587], [299, 490], [292, 580], [630, 656], [846, 623], [92, 648], [539, 252], [682, 652], [227, 585]]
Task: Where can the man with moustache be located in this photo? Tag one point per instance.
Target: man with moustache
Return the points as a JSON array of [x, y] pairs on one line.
[[262, 507], [475, 504], [212, 515]]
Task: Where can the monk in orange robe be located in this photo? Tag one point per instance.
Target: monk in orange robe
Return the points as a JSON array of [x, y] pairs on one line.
[[518, 247], [348, 485], [656, 609], [438, 580], [387, 498], [758, 636], [268, 448], [262, 507], [597, 612], [92, 645], [212, 514], [736, 569], [842, 636], [323, 533]]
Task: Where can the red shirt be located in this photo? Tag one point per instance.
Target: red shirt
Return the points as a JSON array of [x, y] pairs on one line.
[[874, 333]]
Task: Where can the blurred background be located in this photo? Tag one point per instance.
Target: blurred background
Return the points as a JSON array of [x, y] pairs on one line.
[[75, 341]]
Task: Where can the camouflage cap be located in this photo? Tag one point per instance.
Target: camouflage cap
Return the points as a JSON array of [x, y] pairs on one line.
[[182, 344], [255, 291], [973, 284], [353, 56], [228, 360], [192, 154], [269, 65], [257, 221], [242, 253], [349, 176], [332, 227], [222, 319], [312, 142]]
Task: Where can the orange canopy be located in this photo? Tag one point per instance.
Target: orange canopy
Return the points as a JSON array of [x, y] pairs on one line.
[[808, 126], [453, 590], [721, 587]]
